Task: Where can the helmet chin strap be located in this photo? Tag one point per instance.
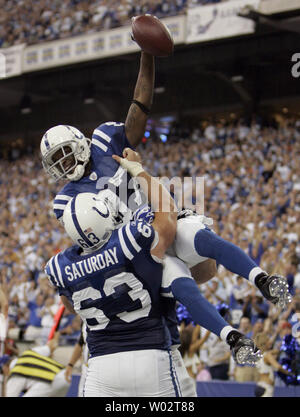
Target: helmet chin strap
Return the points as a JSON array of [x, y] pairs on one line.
[[77, 174]]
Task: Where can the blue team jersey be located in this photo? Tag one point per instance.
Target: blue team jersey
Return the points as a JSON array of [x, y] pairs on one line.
[[168, 303], [108, 139], [115, 290]]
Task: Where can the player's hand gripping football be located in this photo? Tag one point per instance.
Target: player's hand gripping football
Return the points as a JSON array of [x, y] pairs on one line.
[[131, 161]]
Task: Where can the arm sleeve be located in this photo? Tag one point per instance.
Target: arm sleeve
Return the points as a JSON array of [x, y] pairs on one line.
[[61, 200], [136, 238], [50, 273]]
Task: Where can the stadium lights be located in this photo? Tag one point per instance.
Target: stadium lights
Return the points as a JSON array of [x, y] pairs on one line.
[[237, 78], [159, 90], [89, 100], [25, 105]]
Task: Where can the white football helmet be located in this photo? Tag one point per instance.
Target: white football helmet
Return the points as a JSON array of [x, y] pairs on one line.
[[89, 220], [74, 153]]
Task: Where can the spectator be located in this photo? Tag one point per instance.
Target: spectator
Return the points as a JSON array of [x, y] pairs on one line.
[[190, 345], [47, 20], [36, 309], [72, 331], [256, 307], [51, 381], [240, 292], [202, 373], [244, 373], [266, 367], [218, 357], [244, 202]]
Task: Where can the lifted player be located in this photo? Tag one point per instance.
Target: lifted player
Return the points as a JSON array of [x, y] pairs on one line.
[[114, 284]]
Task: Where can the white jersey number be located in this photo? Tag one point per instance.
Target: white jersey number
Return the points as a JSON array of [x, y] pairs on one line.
[[136, 292]]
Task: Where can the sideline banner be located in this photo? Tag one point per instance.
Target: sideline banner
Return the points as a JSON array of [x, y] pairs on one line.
[[11, 61], [93, 46], [278, 6], [218, 21]]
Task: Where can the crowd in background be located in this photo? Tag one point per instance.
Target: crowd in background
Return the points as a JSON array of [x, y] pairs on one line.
[[23, 21], [252, 181], [251, 190]]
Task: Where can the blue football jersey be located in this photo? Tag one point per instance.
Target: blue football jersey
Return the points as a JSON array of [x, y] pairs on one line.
[[108, 139], [115, 290], [168, 303]]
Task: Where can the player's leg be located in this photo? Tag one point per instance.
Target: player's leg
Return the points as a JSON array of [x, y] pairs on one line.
[[194, 240], [187, 384], [177, 281]]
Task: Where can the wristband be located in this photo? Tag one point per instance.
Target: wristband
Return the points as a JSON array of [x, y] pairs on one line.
[[141, 106], [70, 364], [133, 167]]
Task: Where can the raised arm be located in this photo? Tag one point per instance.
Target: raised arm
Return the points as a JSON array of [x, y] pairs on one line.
[[161, 201], [270, 360], [198, 341], [3, 297], [136, 119]]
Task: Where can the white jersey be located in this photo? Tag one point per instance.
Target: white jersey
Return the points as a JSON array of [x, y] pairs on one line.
[[187, 228]]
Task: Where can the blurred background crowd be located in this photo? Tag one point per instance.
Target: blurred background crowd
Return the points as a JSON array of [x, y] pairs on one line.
[[249, 167], [252, 182], [46, 20]]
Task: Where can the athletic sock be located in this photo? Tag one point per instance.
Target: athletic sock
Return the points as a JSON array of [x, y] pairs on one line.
[[186, 291], [233, 258]]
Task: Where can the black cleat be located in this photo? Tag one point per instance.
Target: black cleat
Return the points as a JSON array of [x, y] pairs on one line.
[[274, 288], [186, 213], [243, 349]]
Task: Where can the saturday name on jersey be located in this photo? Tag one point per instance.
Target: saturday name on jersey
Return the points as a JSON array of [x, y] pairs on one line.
[[115, 290]]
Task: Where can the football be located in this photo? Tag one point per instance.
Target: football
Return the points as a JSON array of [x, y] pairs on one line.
[[152, 35]]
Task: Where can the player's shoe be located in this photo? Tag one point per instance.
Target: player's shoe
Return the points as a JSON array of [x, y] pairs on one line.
[[274, 288], [185, 213], [243, 349]]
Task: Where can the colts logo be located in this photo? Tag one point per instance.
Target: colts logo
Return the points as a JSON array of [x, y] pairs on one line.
[[105, 215]]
